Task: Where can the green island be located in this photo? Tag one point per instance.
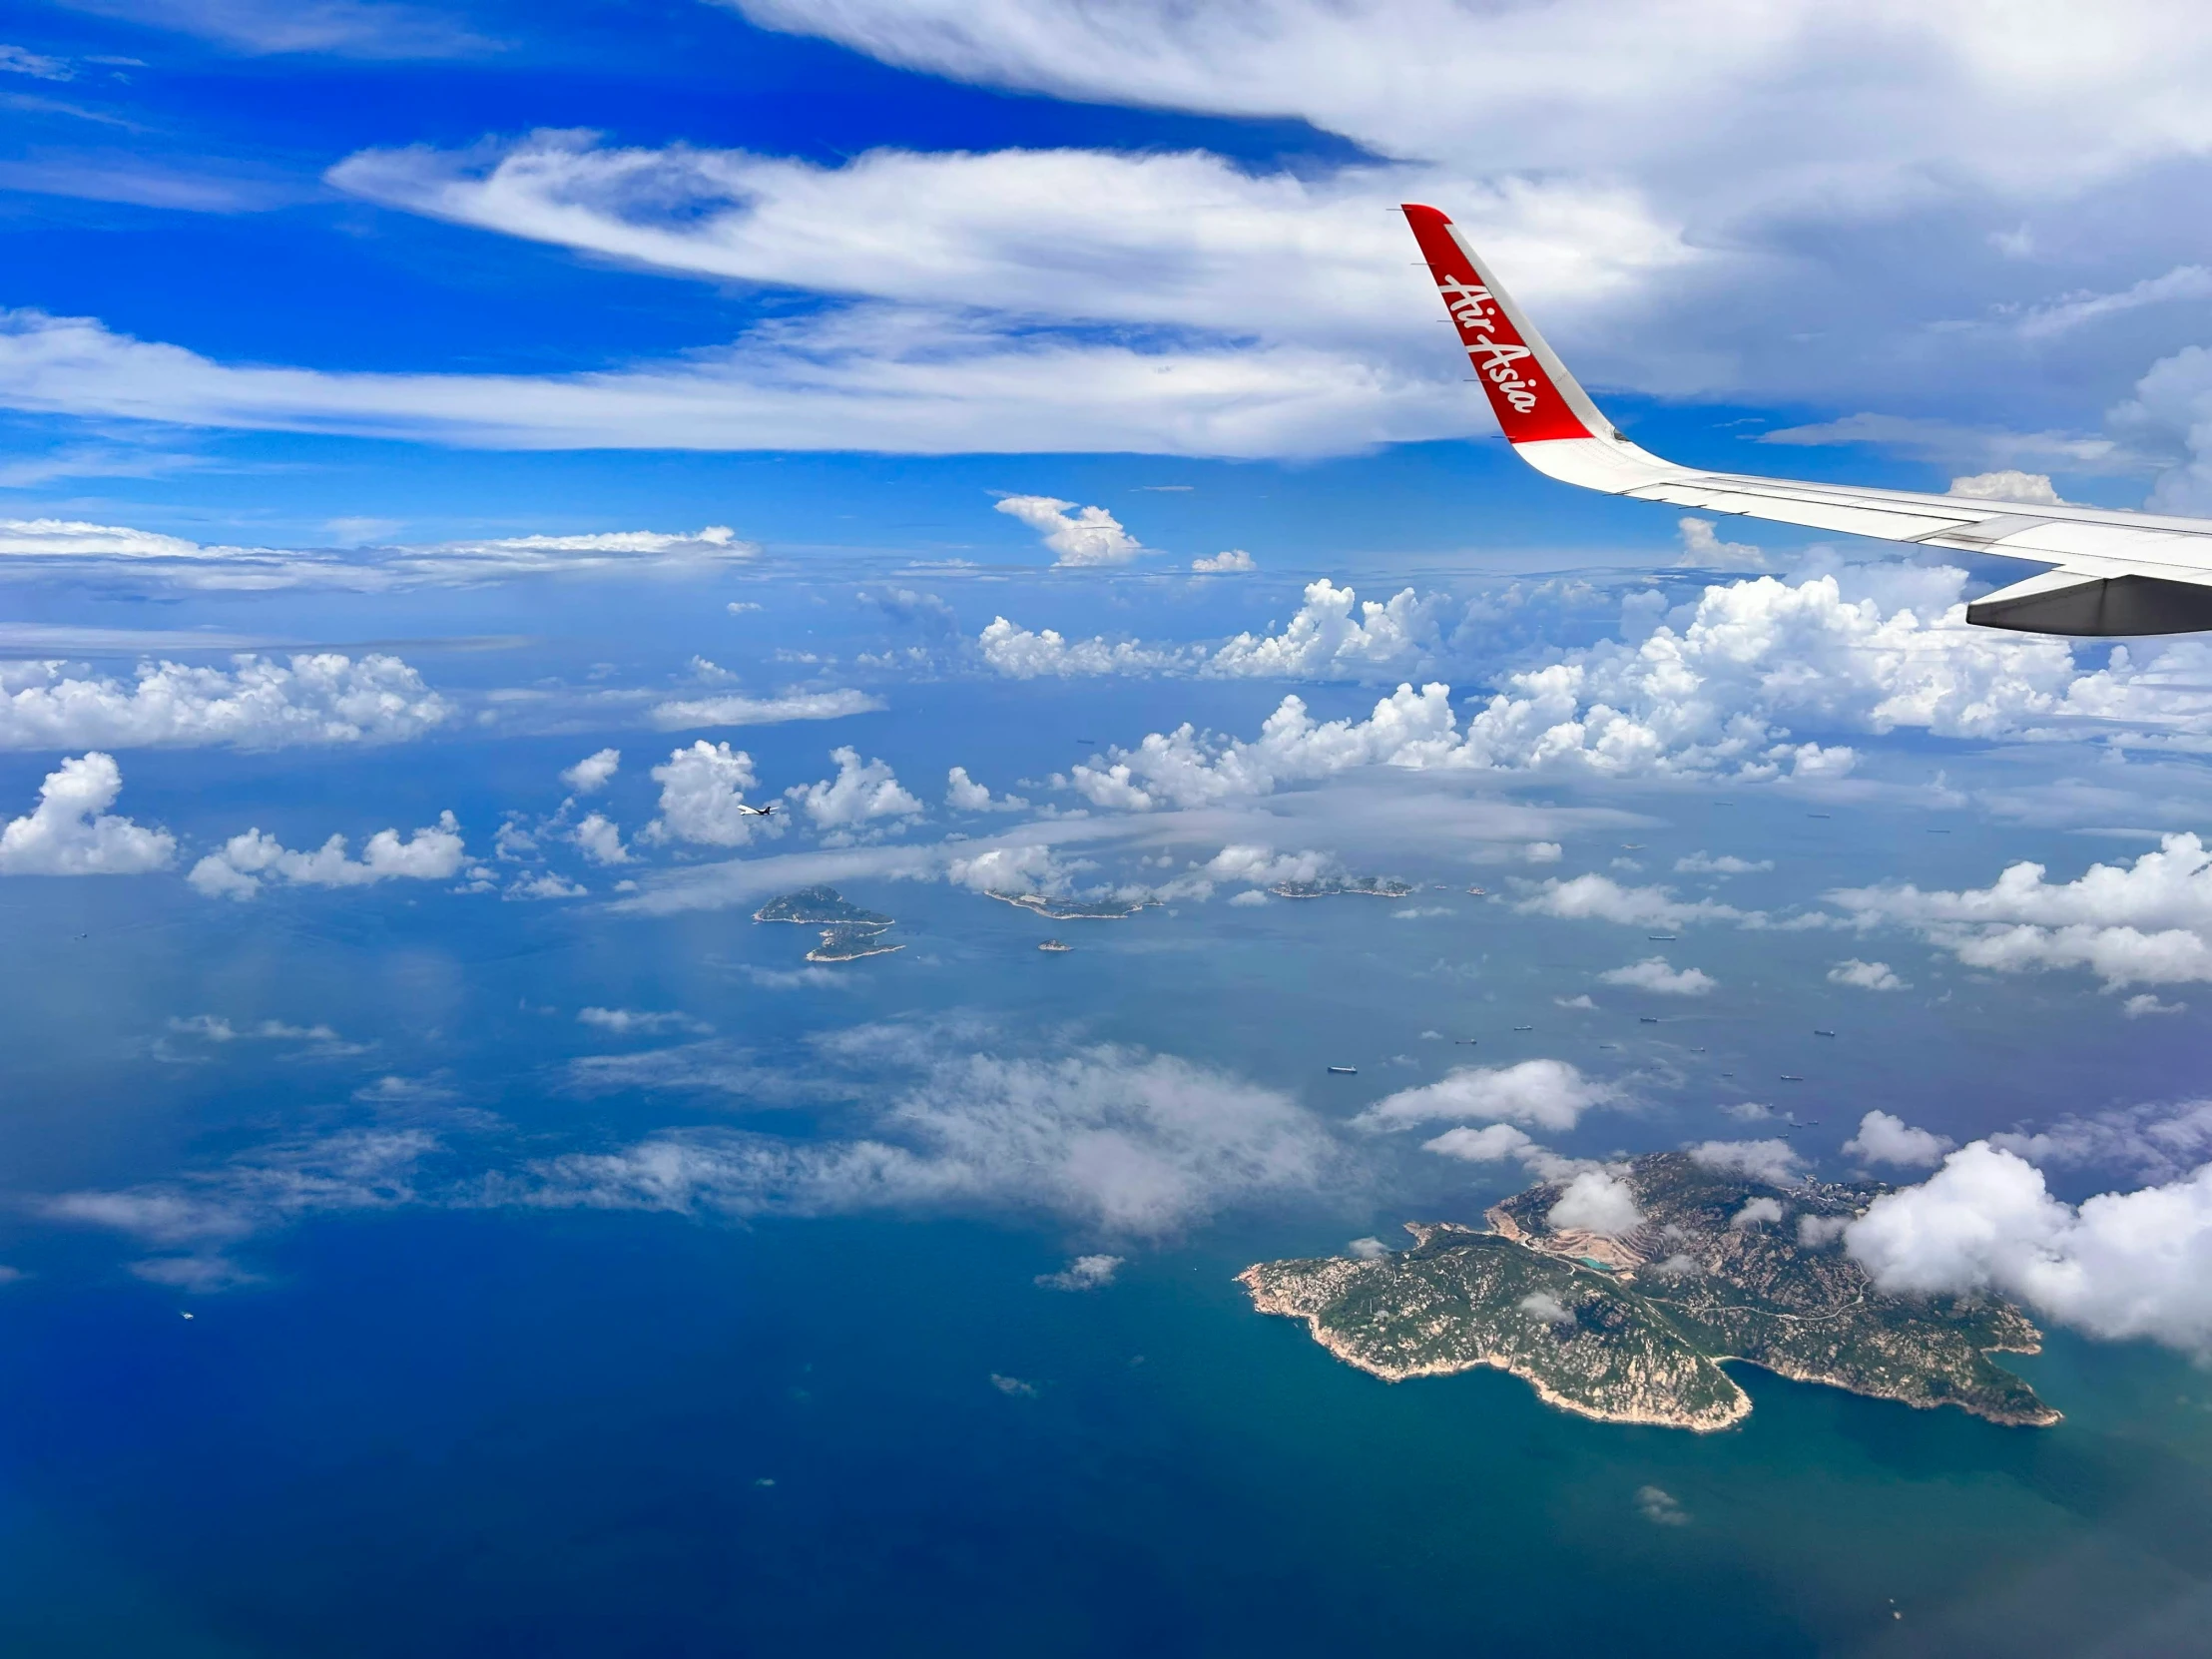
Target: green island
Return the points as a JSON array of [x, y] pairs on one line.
[[1634, 1328], [1329, 887], [1072, 910], [820, 908], [847, 931]]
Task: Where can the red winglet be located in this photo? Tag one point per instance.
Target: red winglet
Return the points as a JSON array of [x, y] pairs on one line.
[[1530, 404]]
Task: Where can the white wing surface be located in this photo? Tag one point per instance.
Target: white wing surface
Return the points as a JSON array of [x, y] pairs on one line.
[[2112, 572]]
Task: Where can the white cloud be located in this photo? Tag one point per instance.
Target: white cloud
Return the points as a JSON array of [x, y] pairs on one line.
[[51, 546], [1727, 864], [1886, 1139], [601, 840], [321, 698], [2008, 484], [245, 862], [1023, 654], [590, 775], [1601, 898], [14, 60], [623, 1021], [1757, 1212], [1660, 1507], [1703, 549], [1550, 1094], [1084, 1273], [1076, 535], [2143, 1003], [1491, 1144], [702, 789], [1335, 636], [1581, 1005], [1653, 974], [2149, 922], [71, 832], [1542, 1305], [1543, 852], [1819, 1231], [1775, 1162], [736, 710], [1597, 1201], [964, 794], [1367, 1250], [862, 792], [2118, 1266], [1865, 976], [1235, 561], [1121, 1142]]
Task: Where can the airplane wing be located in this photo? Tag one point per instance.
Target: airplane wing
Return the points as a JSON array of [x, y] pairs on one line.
[[2112, 572]]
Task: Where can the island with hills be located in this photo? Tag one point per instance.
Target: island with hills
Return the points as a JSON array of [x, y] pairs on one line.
[[1329, 887], [1634, 1328], [847, 931]]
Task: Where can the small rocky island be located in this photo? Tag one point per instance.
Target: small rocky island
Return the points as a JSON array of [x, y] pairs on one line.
[[847, 931], [1329, 887], [1072, 910], [1633, 1329]]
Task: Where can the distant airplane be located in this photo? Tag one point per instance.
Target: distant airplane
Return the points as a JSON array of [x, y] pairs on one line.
[[756, 811], [2115, 572]]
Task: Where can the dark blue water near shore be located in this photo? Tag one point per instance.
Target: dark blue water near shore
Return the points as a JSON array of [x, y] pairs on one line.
[[588, 1434]]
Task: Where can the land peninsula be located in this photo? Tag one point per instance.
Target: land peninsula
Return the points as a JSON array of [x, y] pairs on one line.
[[1073, 909], [847, 931], [1633, 1329]]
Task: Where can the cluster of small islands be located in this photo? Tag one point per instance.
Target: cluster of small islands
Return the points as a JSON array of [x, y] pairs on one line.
[[1634, 1328], [850, 933]]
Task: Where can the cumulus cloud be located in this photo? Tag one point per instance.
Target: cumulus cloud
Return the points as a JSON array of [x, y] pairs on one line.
[[1757, 1212], [1085, 1272], [1367, 1250], [1076, 535], [2148, 922], [1543, 1306], [245, 862], [1601, 898], [1653, 974], [70, 832], [1703, 549], [1883, 1138], [318, 698], [2008, 484], [684, 714], [2119, 1264], [702, 789], [1236, 561], [863, 792], [1549, 1094], [1597, 1201], [1775, 1162], [1727, 686], [590, 775], [1493, 1143], [1865, 976], [1335, 636], [964, 794], [2145, 1004], [1026, 654], [601, 840]]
